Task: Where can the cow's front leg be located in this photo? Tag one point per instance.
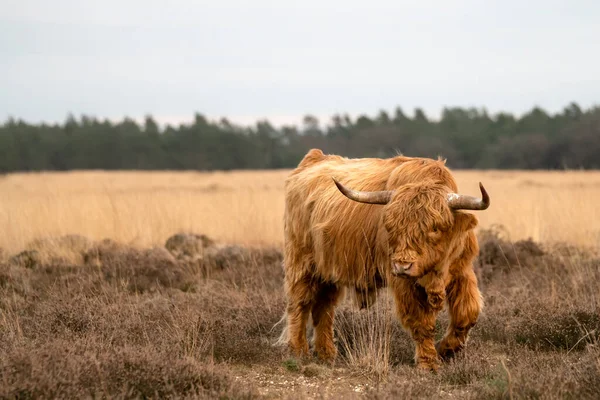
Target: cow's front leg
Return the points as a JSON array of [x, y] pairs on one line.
[[464, 306], [418, 317], [434, 284]]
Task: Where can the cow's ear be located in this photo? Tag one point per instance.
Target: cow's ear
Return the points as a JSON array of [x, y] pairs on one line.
[[465, 221]]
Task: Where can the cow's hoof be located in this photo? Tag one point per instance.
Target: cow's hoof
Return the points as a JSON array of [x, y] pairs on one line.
[[445, 352], [326, 354], [300, 351], [428, 366]]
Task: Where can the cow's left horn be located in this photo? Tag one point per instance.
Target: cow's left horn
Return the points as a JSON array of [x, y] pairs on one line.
[[465, 202], [378, 197]]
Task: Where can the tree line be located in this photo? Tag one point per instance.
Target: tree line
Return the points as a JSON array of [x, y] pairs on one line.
[[468, 138]]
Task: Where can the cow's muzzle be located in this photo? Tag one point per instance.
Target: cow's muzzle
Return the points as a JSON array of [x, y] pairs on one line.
[[400, 268]]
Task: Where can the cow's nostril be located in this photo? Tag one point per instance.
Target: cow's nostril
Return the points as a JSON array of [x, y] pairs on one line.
[[402, 267]]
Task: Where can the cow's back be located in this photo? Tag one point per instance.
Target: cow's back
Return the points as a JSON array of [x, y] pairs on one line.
[[326, 234]]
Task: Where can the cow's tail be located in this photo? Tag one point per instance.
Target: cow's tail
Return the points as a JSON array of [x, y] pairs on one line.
[[284, 336]]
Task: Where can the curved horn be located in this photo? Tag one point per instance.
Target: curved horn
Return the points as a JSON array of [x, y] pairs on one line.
[[465, 202], [378, 197]]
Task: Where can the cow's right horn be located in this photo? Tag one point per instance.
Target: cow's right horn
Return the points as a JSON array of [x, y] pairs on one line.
[[465, 202], [378, 197]]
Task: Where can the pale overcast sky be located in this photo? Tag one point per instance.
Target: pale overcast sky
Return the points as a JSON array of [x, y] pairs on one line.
[[283, 59]]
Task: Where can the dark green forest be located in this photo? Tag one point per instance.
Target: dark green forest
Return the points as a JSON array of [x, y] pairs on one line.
[[468, 138]]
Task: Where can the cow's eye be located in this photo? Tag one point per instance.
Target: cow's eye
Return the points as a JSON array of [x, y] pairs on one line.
[[435, 234]]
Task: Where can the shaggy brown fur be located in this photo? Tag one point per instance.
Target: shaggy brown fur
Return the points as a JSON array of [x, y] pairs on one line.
[[332, 243]]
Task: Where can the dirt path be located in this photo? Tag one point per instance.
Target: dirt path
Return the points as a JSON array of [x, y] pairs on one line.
[[308, 382]]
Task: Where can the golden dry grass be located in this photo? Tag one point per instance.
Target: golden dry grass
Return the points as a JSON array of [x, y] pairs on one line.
[[145, 208]]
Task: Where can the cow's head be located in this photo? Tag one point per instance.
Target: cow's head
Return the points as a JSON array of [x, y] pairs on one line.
[[423, 222]]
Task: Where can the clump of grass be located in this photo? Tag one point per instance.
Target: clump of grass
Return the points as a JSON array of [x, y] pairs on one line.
[[67, 369], [364, 337], [291, 365], [540, 326], [474, 364], [141, 270], [313, 370]]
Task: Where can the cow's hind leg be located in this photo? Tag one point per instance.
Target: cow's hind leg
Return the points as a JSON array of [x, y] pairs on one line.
[[464, 306], [418, 317], [301, 297], [323, 312]]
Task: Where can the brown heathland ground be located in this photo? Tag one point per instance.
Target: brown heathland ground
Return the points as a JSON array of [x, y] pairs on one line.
[[121, 312]]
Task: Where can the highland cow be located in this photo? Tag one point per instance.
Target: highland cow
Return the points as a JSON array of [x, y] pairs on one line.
[[371, 223]]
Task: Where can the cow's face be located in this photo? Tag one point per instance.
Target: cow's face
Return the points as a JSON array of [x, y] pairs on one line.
[[422, 229], [423, 222]]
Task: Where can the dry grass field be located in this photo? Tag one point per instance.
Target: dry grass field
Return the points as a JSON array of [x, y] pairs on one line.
[[94, 302], [145, 208]]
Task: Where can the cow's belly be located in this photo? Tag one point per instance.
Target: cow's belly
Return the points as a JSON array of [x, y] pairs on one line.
[[350, 275]]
